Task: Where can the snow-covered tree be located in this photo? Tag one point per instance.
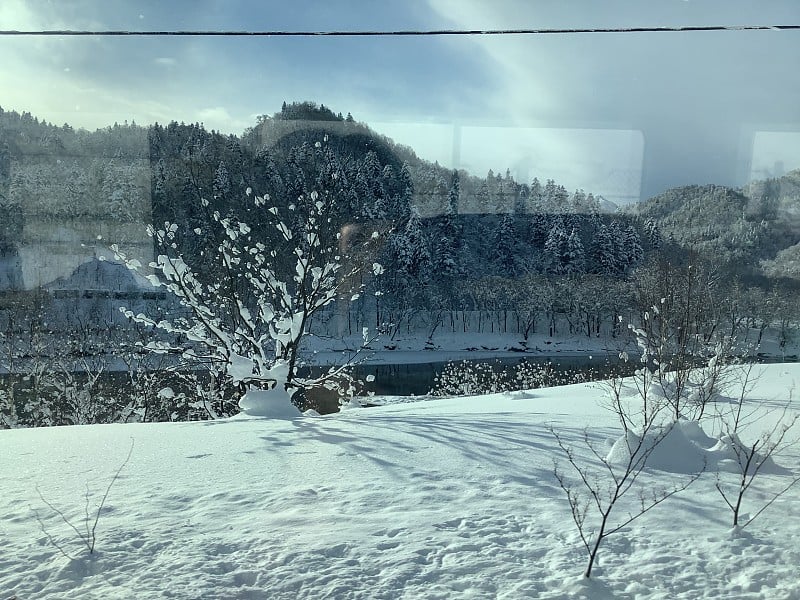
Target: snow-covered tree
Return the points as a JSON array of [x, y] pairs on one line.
[[653, 234], [247, 325], [604, 252], [575, 256], [579, 201], [222, 181], [448, 246], [411, 248], [632, 247], [536, 195], [505, 244], [555, 248]]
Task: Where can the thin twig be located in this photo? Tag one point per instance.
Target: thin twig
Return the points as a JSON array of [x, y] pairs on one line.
[[105, 496], [89, 538]]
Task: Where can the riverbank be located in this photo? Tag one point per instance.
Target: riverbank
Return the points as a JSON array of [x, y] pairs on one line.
[[444, 347], [461, 346]]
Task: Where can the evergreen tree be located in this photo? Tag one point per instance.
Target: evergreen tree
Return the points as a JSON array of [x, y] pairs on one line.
[[365, 193], [621, 258], [555, 248], [653, 234], [454, 195], [560, 204], [222, 181], [406, 193], [388, 181], [555, 198], [579, 201], [520, 199], [633, 247], [592, 204], [575, 256], [565, 252], [604, 254], [505, 245], [539, 229], [484, 198], [448, 246], [411, 248], [536, 194]]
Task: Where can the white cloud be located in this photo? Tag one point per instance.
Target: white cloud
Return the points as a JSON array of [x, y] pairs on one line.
[[17, 15], [603, 161], [29, 15], [219, 118], [686, 92]]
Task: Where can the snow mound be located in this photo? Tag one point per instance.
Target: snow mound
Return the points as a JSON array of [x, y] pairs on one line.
[[683, 447], [729, 448], [672, 448], [240, 368], [694, 432], [585, 588], [275, 404]]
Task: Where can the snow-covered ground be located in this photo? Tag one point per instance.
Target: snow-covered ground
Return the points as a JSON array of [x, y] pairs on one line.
[[449, 498]]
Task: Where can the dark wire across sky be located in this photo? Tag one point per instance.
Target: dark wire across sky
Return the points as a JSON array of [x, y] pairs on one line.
[[399, 33]]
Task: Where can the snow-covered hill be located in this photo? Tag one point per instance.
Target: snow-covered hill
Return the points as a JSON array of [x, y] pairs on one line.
[[450, 498]]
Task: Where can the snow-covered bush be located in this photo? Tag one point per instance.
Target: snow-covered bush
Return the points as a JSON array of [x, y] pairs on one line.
[[55, 379], [597, 488], [684, 370], [659, 410], [8, 410], [466, 378]]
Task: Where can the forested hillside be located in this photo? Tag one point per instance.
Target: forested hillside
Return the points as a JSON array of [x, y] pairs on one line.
[[429, 249], [62, 187], [440, 224], [750, 232]]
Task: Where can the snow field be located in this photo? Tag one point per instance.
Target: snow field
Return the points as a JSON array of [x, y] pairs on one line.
[[434, 499]]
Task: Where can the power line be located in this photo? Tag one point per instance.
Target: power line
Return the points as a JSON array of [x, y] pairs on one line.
[[397, 33]]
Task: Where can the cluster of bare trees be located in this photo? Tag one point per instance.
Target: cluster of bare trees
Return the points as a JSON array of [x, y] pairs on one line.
[[59, 369], [661, 412]]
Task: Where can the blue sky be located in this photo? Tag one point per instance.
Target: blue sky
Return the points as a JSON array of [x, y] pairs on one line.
[[620, 115]]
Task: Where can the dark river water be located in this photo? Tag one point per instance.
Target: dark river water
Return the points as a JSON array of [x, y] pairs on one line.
[[418, 379]]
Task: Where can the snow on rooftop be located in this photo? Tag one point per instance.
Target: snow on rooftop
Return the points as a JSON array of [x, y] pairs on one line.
[[101, 274]]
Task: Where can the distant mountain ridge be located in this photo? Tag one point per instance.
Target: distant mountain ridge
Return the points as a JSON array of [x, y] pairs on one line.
[[749, 228]]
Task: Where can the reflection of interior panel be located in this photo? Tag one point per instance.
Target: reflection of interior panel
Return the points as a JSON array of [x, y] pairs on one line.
[[774, 154], [69, 209], [606, 161]]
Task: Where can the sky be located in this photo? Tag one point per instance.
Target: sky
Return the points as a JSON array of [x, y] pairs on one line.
[[622, 115]]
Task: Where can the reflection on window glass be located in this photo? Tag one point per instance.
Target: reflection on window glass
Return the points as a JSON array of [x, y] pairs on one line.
[[424, 306], [774, 154]]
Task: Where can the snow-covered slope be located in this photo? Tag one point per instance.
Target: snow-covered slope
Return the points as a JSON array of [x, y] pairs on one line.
[[451, 498]]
